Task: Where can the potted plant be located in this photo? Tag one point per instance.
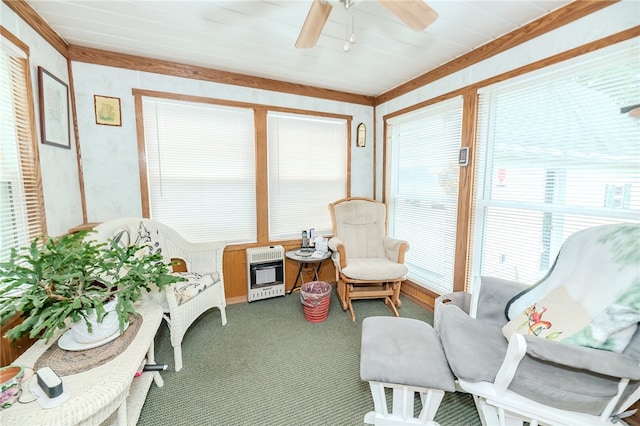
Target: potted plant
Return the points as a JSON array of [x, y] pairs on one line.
[[58, 281]]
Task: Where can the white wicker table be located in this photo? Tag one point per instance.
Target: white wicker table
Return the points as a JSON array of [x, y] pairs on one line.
[[98, 395]]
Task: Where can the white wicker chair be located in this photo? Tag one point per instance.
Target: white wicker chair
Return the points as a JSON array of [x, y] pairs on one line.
[[185, 301]]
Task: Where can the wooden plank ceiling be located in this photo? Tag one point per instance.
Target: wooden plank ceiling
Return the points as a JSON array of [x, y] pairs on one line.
[[257, 37]]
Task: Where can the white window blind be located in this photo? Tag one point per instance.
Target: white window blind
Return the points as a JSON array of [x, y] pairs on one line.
[[556, 156], [423, 198], [307, 171], [21, 208], [201, 169]]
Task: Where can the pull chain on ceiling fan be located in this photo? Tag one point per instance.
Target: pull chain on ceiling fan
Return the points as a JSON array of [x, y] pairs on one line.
[[350, 39], [416, 14]]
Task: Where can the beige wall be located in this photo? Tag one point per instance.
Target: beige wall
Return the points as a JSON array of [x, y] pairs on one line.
[[110, 155]]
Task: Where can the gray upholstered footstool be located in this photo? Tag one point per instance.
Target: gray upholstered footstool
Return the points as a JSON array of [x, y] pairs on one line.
[[405, 355]]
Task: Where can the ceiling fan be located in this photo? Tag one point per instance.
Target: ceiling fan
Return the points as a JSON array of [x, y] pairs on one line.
[[414, 13]]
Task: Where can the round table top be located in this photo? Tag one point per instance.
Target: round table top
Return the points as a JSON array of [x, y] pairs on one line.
[[308, 256]]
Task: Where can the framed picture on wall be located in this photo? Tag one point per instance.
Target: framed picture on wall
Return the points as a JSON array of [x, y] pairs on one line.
[[107, 110], [54, 109]]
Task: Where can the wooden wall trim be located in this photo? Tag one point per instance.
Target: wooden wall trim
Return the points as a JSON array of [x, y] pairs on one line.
[[15, 40], [142, 156], [26, 12], [76, 133], [262, 175], [140, 63], [610, 40], [385, 162], [348, 154], [563, 16], [239, 104], [556, 19], [373, 154], [465, 192], [421, 295]]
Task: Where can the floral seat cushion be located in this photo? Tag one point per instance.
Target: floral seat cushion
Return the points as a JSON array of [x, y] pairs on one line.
[[195, 283], [145, 234]]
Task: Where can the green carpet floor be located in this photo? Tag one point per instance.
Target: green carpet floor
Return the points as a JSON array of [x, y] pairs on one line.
[[269, 366]]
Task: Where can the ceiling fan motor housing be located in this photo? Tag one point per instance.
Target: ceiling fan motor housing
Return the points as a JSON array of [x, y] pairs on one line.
[[416, 14]]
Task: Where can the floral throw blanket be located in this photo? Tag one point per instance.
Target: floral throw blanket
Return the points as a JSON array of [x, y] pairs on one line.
[[591, 296]]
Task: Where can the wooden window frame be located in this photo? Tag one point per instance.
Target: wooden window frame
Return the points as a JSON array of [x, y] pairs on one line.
[[260, 117]]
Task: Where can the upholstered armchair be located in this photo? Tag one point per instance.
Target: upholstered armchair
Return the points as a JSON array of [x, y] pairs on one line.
[[369, 264], [200, 264], [565, 351]]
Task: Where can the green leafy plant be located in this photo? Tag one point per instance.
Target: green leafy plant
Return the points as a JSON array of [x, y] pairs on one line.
[[57, 280]]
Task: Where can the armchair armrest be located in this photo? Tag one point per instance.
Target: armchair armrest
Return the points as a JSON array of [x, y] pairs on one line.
[[334, 242], [607, 363], [201, 257], [599, 361], [395, 248], [336, 245]]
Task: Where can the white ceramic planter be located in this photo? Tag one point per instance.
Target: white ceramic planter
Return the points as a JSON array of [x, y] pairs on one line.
[[100, 331]]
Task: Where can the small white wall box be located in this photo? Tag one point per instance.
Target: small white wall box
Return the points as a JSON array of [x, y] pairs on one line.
[[265, 272], [463, 156]]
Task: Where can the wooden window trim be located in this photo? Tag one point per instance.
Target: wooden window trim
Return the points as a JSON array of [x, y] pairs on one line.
[[260, 114], [466, 188]]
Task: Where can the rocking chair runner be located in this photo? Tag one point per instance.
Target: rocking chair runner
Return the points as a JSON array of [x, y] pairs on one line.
[[369, 264]]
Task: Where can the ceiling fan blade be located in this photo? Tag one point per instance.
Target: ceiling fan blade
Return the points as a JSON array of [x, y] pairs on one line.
[[313, 24], [415, 13]]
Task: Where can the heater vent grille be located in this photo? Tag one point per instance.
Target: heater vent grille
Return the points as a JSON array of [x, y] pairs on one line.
[[265, 254]]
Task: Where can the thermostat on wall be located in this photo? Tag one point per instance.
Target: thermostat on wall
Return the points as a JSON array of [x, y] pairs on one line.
[[463, 156]]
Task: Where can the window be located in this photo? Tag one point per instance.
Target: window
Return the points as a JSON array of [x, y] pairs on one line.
[[423, 198], [21, 204], [307, 171], [201, 169], [555, 156]]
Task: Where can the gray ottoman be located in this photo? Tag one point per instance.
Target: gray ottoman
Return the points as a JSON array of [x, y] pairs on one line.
[[405, 355]]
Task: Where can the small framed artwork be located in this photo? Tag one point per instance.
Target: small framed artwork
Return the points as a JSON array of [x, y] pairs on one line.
[[54, 109], [107, 110], [463, 157]]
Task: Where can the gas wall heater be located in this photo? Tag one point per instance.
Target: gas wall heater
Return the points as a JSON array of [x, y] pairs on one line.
[[265, 272]]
